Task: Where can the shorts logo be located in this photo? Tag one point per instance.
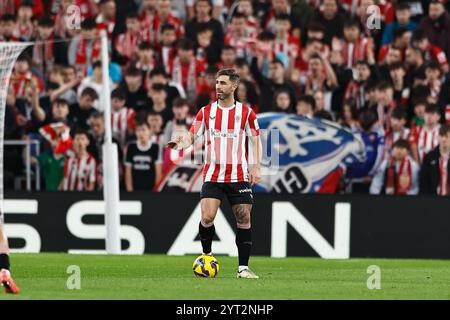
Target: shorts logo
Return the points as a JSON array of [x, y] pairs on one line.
[[247, 190]]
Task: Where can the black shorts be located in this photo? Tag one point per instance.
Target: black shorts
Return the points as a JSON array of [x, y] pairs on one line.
[[236, 192]]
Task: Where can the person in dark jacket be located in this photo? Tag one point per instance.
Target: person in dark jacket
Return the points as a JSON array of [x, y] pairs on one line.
[[435, 170], [437, 26]]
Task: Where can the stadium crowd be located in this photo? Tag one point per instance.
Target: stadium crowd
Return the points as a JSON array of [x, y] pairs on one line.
[[387, 80]]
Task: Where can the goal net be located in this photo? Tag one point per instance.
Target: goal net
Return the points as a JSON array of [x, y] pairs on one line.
[[9, 52]]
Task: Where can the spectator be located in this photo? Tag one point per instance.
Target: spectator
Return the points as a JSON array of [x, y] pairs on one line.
[[155, 121], [385, 104], [403, 15], [159, 76], [437, 26], [268, 85], [281, 101], [158, 97], [127, 43], [106, 20], [357, 88], [166, 47], [246, 93], [331, 19], [425, 138], [397, 175], [207, 91], [180, 123], [280, 7], [7, 27], [143, 160], [150, 20], [95, 82], [373, 137], [398, 131], [186, 70], [430, 51], [84, 49], [82, 110], [202, 15], [227, 58], [306, 106], [122, 117], [166, 17], [239, 36], [419, 107], [206, 51], [135, 92], [48, 50], [349, 116], [434, 172], [287, 46], [79, 166], [433, 74], [24, 29], [397, 73]]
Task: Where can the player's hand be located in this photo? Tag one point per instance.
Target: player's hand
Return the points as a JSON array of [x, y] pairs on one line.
[[180, 142], [254, 176]]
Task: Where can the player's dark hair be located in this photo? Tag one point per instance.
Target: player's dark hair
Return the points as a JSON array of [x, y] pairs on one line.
[[231, 73]]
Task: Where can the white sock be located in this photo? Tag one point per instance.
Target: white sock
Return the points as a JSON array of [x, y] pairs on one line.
[[242, 268]]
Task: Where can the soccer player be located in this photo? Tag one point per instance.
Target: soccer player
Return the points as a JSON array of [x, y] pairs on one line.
[[5, 276], [226, 124]]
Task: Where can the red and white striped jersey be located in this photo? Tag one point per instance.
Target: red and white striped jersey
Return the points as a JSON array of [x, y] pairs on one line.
[[225, 131], [425, 139], [121, 122], [79, 172]]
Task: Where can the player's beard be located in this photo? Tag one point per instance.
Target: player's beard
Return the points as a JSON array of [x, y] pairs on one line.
[[223, 96]]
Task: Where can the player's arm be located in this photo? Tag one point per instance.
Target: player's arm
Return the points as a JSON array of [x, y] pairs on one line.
[[185, 139], [255, 171], [253, 132]]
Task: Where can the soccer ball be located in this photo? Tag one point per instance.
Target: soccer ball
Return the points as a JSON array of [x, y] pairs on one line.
[[205, 266]]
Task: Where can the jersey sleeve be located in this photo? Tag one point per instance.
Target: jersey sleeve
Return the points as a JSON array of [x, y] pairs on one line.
[[198, 126], [252, 126]]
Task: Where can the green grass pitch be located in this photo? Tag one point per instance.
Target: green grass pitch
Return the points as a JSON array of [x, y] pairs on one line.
[[44, 276]]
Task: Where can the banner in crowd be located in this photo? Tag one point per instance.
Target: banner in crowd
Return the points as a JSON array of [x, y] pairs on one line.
[[300, 155], [327, 226]]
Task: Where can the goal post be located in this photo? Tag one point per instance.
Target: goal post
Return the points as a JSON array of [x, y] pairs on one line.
[[111, 192], [9, 52]]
